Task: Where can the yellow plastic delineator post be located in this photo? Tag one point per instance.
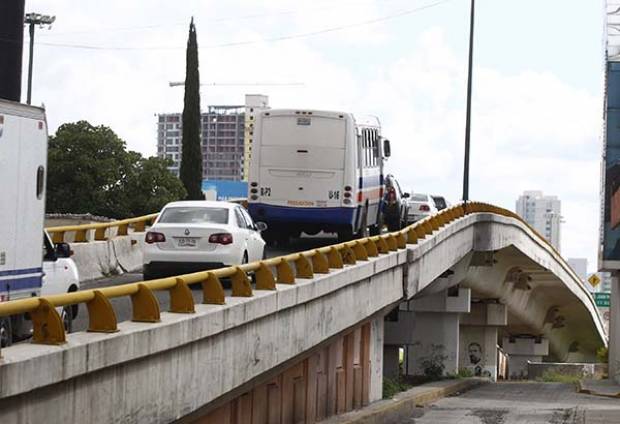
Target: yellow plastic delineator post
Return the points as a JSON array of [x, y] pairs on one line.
[[181, 299], [241, 286], [47, 327], [101, 316], [145, 305], [212, 291], [264, 278]]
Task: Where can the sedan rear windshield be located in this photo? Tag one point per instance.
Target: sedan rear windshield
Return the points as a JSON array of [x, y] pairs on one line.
[[419, 197], [196, 215]]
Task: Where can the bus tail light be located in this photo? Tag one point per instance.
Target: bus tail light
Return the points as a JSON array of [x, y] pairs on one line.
[[359, 197]]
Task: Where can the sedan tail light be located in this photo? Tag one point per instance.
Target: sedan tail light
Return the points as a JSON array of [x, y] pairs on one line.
[[221, 238], [154, 237], [425, 208]]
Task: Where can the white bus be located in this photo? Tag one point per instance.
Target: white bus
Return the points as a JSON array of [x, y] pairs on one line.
[[316, 171]]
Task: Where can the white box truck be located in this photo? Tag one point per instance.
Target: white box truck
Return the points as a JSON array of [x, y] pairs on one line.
[[30, 265]]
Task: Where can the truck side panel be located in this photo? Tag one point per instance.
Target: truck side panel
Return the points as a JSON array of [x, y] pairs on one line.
[[23, 153]]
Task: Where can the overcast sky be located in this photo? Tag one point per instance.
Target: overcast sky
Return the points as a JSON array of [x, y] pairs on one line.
[[537, 108]]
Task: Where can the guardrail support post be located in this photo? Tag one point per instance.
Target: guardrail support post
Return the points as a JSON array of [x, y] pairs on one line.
[[122, 230], [303, 267], [401, 240], [139, 226], [371, 248], [285, 273], [58, 236], [145, 305], [47, 325], [412, 237], [348, 257], [181, 299], [80, 236], [320, 264], [382, 246], [391, 242], [241, 286], [334, 258], [212, 291], [100, 233], [264, 278], [101, 316], [360, 251]]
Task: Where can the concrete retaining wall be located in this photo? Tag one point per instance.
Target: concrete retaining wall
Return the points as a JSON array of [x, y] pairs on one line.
[[537, 369]]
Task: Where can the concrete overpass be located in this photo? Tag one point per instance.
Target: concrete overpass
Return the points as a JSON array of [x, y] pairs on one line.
[[312, 336]]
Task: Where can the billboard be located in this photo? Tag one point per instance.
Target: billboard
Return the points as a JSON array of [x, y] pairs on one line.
[[609, 252], [224, 190]]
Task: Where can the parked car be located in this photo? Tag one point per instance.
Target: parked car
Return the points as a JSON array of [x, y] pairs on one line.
[[440, 202], [191, 236], [394, 205], [420, 206]]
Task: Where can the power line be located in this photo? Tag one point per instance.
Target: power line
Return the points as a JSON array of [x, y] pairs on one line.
[[216, 19], [251, 42]]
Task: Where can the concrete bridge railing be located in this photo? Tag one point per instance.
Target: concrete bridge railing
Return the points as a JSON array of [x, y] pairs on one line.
[[210, 360]]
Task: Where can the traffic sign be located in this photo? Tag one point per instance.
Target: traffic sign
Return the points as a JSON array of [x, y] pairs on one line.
[[594, 280], [602, 299]]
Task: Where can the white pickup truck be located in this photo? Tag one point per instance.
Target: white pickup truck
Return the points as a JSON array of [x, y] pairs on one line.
[[25, 269]]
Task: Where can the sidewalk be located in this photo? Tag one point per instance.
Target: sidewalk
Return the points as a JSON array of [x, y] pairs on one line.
[[403, 404], [607, 388]]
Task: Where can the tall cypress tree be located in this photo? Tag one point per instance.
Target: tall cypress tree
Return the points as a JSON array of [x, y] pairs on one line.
[[191, 158]]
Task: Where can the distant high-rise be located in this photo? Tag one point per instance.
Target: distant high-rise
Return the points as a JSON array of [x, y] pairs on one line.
[[543, 213], [580, 266], [224, 134]]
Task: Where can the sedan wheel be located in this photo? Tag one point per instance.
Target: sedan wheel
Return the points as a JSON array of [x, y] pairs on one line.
[[67, 319], [6, 336]]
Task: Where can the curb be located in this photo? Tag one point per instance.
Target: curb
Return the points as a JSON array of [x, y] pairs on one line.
[[581, 389], [402, 406]]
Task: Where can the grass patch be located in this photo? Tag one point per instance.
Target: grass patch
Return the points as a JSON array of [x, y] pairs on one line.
[[550, 376], [391, 387]]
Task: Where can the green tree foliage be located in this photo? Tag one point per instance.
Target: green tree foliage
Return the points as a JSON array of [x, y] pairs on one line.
[[191, 157], [90, 171]]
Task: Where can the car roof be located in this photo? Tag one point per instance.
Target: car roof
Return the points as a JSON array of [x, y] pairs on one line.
[[202, 203]]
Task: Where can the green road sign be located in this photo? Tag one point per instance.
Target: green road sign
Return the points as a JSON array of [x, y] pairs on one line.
[[602, 299]]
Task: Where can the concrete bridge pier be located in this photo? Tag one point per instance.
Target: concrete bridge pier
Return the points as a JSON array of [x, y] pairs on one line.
[[434, 326], [520, 350], [479, 337]]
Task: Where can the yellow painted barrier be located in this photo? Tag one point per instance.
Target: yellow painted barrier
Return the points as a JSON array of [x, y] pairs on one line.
[[100, 229], [267, 272]]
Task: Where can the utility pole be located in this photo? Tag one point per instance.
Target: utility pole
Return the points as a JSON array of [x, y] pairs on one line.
[[468, 113], [33, 19]]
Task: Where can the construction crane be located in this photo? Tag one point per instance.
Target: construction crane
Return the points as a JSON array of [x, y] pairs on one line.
[[242, 84]]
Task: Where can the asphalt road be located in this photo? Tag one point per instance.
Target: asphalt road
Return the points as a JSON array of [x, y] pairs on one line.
[[520, 403], [122, 305]]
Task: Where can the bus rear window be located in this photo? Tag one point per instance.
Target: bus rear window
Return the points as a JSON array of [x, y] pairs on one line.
[[303, 131]]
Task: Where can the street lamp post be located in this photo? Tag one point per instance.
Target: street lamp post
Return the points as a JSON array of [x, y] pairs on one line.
[[468, 113], [33, 19]]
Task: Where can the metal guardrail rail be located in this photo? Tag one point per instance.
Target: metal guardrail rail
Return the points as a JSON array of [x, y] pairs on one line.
[[101, 229], [48, 327]]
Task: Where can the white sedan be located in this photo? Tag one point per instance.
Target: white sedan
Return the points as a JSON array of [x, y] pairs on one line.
[[420, 206], [191, 236]]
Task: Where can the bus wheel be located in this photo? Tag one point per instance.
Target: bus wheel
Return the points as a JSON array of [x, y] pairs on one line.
[[345, 235]]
